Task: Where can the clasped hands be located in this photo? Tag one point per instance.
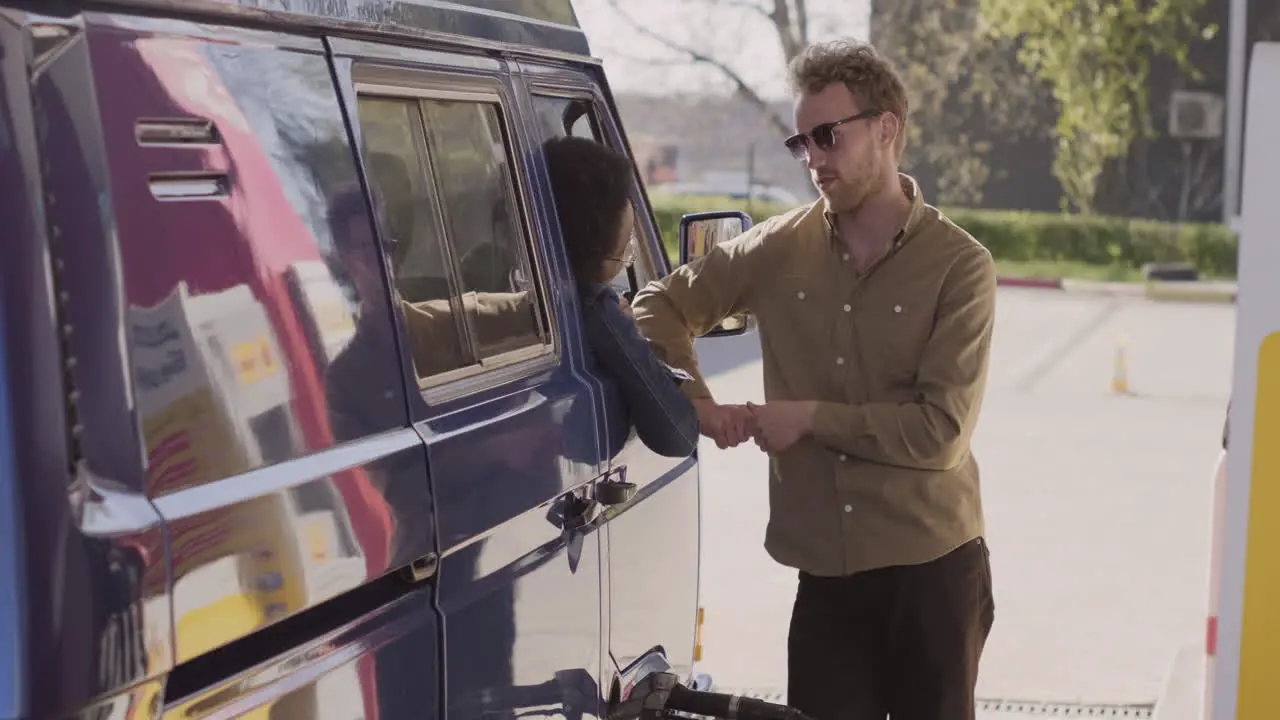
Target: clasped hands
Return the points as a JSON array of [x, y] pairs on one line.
[[774, 426]]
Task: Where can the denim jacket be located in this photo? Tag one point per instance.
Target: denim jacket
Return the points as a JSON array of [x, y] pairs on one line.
[[664, 419]]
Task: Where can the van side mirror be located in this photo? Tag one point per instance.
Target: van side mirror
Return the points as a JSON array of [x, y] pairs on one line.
[[701, 231]]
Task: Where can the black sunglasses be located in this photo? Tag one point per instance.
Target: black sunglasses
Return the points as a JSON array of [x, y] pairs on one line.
[[824, 135]]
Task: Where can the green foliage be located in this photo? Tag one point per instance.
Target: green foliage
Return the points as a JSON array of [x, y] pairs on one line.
[[1099, 240], [1027, 237], [1096, 56], [968, 92]]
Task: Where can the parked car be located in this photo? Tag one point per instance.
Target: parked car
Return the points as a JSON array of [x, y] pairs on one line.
[[260, 453]]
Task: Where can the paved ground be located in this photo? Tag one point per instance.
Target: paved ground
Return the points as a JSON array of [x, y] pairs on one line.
[[1097, 505]]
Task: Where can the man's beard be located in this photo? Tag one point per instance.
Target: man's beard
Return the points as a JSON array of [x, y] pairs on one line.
[[849, 195]]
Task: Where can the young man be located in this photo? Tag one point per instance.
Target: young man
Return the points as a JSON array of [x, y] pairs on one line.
[[875, 315]]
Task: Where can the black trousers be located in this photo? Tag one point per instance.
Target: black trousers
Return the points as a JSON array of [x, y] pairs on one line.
[[901, 641]]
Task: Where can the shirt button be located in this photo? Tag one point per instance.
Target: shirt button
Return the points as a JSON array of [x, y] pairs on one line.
[[845, 256], [848, 307], [848, 508], [840, 361], [800, 294], [843, 457], [897, 308]]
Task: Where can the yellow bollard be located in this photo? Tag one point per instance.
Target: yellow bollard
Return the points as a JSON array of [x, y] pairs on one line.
[[1120, 371]]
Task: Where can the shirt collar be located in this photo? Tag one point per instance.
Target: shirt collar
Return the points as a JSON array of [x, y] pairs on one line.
[[908, 229]]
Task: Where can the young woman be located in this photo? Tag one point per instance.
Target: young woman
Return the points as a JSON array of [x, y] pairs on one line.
[[592, 184]]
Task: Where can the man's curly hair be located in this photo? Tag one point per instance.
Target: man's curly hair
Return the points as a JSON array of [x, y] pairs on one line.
[[871, 78]]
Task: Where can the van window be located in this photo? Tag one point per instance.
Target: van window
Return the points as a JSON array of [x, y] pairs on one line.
[[441, 174], [561, 116]]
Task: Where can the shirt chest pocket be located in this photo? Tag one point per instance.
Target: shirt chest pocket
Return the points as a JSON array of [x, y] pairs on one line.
[[794, 310], [892, 336]]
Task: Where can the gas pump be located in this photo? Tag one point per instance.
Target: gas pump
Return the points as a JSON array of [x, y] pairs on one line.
[[1246, 660]]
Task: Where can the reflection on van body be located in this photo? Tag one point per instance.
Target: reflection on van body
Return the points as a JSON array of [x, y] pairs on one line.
[[296, 417]]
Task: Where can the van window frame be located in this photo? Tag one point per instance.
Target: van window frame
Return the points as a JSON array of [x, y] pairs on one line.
[[645, 226], [375, 80]]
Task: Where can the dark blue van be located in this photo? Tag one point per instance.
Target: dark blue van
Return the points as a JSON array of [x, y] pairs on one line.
[[264, 450]]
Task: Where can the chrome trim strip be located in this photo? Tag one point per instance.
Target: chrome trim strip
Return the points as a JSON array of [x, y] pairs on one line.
[[404, 91], [179, 132], [195, 186], [284, 476]]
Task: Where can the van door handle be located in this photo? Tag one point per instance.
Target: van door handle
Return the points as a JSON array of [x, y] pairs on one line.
[[614, 489], [572, 511]]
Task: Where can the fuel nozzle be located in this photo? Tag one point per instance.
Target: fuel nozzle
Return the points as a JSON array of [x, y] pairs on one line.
[[659, 695]]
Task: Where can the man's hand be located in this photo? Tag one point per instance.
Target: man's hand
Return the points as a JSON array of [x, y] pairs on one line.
[[781, 423], [626, 306], [728, 425]]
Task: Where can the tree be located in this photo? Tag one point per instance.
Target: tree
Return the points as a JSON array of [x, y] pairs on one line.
[[790, 21], [1096, 55], [965, 87]]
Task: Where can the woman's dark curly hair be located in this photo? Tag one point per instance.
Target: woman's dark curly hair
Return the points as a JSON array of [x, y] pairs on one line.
[[592, 186]]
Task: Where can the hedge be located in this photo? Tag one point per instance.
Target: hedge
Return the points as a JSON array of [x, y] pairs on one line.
[[1031, 236]]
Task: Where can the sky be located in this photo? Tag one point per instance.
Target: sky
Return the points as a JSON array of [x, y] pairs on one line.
[[733, 31]]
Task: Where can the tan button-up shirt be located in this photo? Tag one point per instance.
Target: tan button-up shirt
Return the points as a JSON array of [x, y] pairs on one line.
[[896, 356]]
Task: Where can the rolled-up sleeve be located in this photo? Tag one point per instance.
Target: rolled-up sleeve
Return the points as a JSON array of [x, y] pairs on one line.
[[932, 431]]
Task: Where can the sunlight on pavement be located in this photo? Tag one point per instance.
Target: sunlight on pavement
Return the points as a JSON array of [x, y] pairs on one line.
[[1097, 505]]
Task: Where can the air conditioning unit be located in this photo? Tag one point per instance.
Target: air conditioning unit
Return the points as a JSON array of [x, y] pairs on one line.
[[1195, 115]]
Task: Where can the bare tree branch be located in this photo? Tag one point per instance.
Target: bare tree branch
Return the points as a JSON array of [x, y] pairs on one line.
[[743, 89], [782, 22], [802, 23], [656, 62], [748, 5]]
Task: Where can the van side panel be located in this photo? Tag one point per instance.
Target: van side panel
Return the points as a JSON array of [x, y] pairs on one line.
[[668, 495], [269, 397], [656, 534], [96, 589], [512, 447], [26, 338]]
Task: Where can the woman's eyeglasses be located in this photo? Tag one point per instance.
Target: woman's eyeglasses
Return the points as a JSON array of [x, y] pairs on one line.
[[824, 135], [628, 255]]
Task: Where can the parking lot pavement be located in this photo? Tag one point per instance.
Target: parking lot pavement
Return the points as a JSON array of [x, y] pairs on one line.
[[1097, 504]]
